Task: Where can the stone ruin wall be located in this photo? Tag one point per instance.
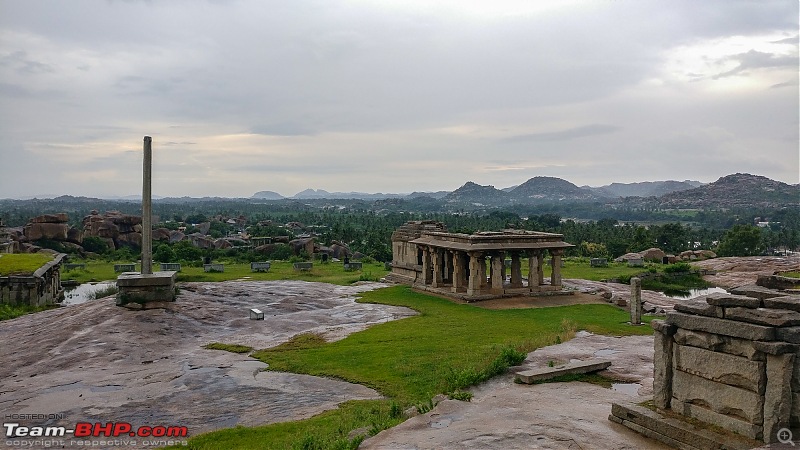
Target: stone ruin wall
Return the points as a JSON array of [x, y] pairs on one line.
[[732, 361], [40, 289], [405, 267]]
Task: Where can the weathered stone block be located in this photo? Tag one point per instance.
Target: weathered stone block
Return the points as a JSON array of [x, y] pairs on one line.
[[662, 369], [778, 282], [790, 302], [727, 369], [720, 299], [699, 308], [763, 316], [796, 374], [751, 290], [738, 403], [145, 288], [795, 418], [734, 424], [721, 326], [699, 339], [546, 373], [789, 334], [775, 348], [662, 327], [778, 396]]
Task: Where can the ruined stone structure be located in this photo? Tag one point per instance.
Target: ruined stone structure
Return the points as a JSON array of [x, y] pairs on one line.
[[426, 256], [728, 360], [41, 288], [6, 245]]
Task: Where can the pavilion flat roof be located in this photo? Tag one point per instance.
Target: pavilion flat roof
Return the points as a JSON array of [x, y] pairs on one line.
[[498, 240]]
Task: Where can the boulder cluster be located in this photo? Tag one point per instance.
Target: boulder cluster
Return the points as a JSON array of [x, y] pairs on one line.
[[657, 255]]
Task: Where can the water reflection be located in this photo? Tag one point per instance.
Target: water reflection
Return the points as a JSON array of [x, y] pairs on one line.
[[692, 293], [84, 292]]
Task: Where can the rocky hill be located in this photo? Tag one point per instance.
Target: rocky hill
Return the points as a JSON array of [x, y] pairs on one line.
[[737, 190], [267, 195], [550, 189], [643, 189], [475, 194]]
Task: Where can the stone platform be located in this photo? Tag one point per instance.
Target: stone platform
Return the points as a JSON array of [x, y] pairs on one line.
[[675, 431], [144, 291]]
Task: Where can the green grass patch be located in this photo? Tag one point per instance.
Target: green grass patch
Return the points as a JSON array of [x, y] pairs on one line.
[[233, 348], [13, 311], [790, 274], [446, 347], [332, 273], [22, 263]]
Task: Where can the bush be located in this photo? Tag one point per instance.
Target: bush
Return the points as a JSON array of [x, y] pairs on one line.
[[94, 244], [678, 267], [164, 254]]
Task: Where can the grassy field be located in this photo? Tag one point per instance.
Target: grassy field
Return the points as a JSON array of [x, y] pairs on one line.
[[445, 348], [22, 263], [331, 272]]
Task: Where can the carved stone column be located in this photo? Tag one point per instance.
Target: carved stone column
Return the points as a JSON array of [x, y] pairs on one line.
[[459, 280], [516, 271], [555, 276], [498, 261], [437, 255], [426, 266], [476, 269]]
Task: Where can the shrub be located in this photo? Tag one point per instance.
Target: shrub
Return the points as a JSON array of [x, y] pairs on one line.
[[94, 244], [678, 267]]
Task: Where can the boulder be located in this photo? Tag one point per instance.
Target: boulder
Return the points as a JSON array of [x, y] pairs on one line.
[[204, 227], [51, 218], [266, 248], [201, 241], [707, 254], [46, 230], [653, 254], [298, 245], [130, 240], [627, 256], [339, 250], [161, 234], [75, 235], [176, 236], [222, 244]]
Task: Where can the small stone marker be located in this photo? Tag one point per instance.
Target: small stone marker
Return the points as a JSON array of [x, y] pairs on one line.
[[256, 314], [260, 266], [303, 265], [636, 301], [349, 267], [636, 262], [171, 266], [214, 267], [546, 373], [598, 262], [124, 267]]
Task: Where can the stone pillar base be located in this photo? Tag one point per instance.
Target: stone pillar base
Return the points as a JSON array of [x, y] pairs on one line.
[[141, 291]]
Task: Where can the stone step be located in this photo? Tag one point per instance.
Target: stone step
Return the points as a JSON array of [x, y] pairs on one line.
[[675, 432], [546, 373]]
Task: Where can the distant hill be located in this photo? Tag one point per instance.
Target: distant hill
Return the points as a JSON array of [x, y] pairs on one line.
[[321, 193], [268, 195], [643, 189], [737, 190], [476, 194], [550, 190], [437, 195]]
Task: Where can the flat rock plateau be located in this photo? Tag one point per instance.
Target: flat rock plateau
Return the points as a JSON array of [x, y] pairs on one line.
[[99, 362]]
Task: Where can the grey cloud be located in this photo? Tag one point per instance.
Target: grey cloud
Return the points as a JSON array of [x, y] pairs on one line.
[[757, 60], [20, 62], [564, 135]]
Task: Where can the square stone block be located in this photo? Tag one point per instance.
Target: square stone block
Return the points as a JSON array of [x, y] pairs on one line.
[[146, 288]]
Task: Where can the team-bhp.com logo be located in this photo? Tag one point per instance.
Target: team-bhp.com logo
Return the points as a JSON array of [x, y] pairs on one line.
[[97, 429]]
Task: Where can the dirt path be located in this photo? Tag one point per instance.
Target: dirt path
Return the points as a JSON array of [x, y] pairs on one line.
[[98, 362]]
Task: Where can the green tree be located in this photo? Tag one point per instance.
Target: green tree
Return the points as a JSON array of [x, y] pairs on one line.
[[164, 254], [741, 240]]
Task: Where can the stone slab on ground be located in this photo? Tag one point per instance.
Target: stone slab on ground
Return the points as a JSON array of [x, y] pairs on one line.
[[571, 368], [755, 291], [675, 432], [720, 326]]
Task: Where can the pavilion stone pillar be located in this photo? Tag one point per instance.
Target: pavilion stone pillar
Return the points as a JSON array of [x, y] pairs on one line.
[[482, 263], [426, 266], [516, 271], [447, 275], [555, 276], [437, 255], [477, 265], [459, 267], [498, 261]]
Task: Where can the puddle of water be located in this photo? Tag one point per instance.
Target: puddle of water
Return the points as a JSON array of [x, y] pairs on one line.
[[583, 333], [627, 388], [605, 352], [84, 292], [692, 293]]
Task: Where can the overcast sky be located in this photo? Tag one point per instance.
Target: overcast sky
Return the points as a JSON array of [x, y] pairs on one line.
[[392, 96]]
